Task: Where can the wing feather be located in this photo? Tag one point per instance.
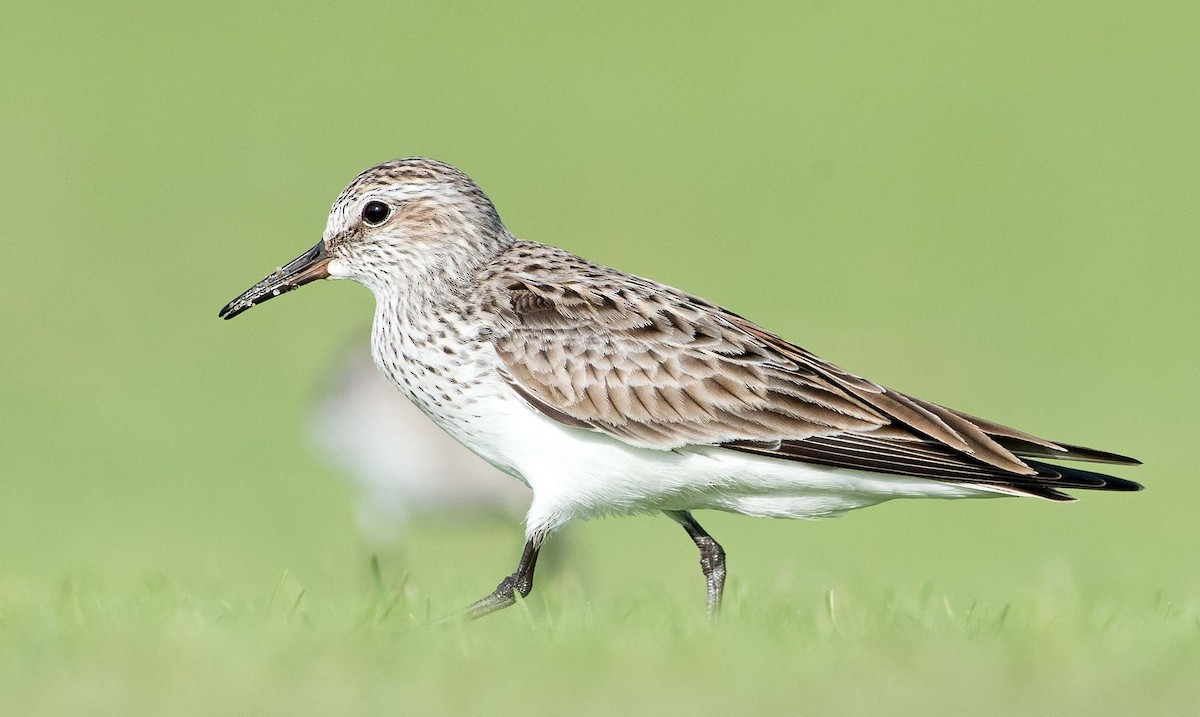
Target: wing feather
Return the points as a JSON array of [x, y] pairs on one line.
[[652, 366]]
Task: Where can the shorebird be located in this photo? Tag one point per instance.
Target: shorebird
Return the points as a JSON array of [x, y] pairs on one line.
[[400, 464], [607, 393]]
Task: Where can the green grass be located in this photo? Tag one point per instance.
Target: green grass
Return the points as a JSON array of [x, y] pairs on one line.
[[156, 645], [991, 205]]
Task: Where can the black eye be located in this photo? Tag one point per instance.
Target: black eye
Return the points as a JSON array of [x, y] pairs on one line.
[[375, 213]]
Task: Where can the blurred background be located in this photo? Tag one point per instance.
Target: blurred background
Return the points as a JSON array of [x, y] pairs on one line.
[[990, 205]]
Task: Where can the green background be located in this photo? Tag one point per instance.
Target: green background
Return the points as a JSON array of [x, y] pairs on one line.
[[990, 205]]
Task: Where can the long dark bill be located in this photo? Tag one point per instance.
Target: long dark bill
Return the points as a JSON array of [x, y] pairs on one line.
[[309, 266]]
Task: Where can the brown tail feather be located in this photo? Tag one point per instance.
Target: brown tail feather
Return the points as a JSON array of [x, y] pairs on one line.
[[1068, 453]]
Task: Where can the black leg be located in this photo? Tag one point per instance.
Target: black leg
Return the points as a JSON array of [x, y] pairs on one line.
[[712, 558], [519, 582]]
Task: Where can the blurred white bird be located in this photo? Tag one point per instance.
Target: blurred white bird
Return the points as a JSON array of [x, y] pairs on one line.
[[401, 463]]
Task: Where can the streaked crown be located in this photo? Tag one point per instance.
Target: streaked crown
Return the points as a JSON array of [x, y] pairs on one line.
[[408, 216]]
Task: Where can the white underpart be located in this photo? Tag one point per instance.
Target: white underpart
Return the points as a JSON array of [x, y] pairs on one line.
[[576, 473]]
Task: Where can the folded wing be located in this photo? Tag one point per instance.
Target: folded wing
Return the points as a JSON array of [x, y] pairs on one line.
[[652, 366]]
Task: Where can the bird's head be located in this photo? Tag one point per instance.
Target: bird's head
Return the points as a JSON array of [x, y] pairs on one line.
[[396, 223]]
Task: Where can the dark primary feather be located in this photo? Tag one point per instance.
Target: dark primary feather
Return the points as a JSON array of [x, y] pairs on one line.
[[598, 349]]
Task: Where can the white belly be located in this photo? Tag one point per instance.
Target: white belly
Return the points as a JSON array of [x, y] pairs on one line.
[[576, 473]]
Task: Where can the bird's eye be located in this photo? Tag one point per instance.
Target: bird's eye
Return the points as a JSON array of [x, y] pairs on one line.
[[375, 213]]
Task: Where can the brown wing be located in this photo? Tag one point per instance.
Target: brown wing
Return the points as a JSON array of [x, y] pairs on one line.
[[598, 349]]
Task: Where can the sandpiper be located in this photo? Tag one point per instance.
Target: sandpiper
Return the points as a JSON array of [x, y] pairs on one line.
[[400, 463], [608, 393]]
